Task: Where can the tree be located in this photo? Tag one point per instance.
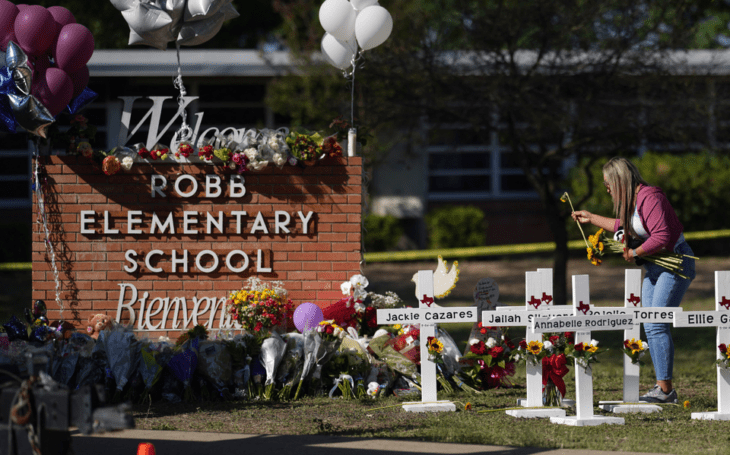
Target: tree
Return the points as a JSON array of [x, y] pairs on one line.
[[559, 80]]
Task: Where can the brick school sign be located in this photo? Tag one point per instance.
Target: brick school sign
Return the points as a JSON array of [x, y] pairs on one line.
[[163, 245]]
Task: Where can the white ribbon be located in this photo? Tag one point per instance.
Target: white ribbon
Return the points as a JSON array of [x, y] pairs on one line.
[[338, 381]]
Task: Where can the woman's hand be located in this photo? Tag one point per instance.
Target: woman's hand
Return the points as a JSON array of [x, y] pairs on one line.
[[629, 255], [582, 216]]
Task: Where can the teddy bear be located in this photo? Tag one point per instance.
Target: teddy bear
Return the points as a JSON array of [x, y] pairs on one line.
[[97, 323]]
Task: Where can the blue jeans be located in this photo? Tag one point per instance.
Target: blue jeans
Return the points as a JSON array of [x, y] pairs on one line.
[[662, 288]]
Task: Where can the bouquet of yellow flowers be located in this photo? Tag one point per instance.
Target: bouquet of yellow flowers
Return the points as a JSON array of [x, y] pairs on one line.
[[259, 310], [635, 350]]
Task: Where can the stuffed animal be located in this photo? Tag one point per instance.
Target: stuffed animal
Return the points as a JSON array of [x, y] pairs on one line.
[[97, 323]]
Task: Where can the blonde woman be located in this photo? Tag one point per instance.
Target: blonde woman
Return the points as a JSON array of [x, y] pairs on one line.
[[647, 216]]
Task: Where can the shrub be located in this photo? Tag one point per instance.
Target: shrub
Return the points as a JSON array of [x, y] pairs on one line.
[[696, 185], [382, 232], [454, 227]]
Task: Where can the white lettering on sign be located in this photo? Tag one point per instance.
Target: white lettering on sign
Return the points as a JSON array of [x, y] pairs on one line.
[[155, 258], [208, 311]]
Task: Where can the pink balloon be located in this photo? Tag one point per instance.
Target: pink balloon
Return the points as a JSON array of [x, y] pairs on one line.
[[40, 65], [34, 28], [57, 91], [80, 80], [8, 13], [22, 6], [61, 17], [307, 316], [74, 47]]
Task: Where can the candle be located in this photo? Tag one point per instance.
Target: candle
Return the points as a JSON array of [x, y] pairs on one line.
[[352, 142]]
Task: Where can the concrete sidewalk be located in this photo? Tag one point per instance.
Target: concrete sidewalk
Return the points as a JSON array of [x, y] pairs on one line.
[[191, 443]]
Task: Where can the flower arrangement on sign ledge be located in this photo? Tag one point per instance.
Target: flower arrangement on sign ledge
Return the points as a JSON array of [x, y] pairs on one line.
[[724, 360], [635, 350], [490, 364], [255, 150]]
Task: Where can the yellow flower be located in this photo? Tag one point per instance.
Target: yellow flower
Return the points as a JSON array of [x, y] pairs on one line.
[[534, 347], [467, 406], [590, 254], [686, 404], [564, 197], [590, 348], [635, 345], [600, 246], [397, 327], [600, 231], [434, 345]]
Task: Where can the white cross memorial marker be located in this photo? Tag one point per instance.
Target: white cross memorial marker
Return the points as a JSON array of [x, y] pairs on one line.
[[583, 325], [538, 300], [632, 305], [719, 318], [428, 314]]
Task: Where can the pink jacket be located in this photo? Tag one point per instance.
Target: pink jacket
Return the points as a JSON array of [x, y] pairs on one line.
[[658, 218]]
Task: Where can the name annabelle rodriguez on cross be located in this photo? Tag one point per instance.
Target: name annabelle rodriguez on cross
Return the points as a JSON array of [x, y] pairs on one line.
[[192, 222]]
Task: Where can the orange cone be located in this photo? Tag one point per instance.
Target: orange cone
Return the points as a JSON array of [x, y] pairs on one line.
[[146, 448]]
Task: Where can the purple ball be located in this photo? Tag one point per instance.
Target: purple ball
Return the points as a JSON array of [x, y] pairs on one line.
[[74, 47], [62, 17], [307, 316], [57, 92], [8, 13], [35, 29]]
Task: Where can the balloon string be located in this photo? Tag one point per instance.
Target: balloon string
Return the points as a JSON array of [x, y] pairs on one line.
[[185, 132], [43, 222]]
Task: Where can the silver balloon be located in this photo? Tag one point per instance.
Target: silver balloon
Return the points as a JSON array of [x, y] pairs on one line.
[[29, 113], [159, 22], [200, 31]]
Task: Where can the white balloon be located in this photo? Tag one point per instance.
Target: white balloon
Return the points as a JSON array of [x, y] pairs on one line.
[[337, 18], [373, 26], [360, 5], [337, 52]]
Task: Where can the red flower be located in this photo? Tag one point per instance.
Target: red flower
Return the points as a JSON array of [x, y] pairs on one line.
[[509, 342], [258, 327], [371, 317], [723, 348], [143, 152], [554, 339], [496, 351], [570, 337], [329, 330], [626, 344], [523, 344], [579, 347], [479, 348]]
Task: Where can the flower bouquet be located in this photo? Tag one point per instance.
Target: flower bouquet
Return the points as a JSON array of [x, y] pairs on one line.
[[584, 354], [635, 350], [290, 369], [305, 147], [261, 310], [435, 355], [352, 311], [348, 369], [320, 346], [489, 364], [724, 361], [552, 354]]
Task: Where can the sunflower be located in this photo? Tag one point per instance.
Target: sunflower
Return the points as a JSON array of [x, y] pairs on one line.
[[635, 345], [590, 348], [534, 347], [434, 345]]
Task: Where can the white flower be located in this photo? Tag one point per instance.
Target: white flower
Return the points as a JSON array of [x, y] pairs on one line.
[[517, 358], [127, 163], [232, 165], [257, 165], [273, 143], [491, 342], [337, 332], [359, 307], [359, 283], [279, 159], [473, 341], [547, 345], [346, 287], [251, 153], [594, 343]]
